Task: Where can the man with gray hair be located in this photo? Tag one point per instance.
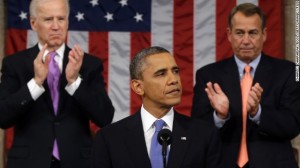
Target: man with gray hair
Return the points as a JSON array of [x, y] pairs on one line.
[[49, 93], [256, 122]]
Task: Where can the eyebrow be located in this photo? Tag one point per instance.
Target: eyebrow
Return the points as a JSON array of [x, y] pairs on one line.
[[245, 31], [165, 69], [160, 70]]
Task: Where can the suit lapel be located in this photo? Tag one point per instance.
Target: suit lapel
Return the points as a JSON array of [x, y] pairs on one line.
[[262, 73], [232, 88], [135, 141], [180, 142]]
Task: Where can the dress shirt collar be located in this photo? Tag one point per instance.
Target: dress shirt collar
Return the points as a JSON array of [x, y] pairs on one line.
[[60, 51], [148, 119], [241, 65]]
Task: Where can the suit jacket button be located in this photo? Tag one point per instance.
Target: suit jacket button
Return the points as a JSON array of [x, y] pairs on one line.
[[23, 102]]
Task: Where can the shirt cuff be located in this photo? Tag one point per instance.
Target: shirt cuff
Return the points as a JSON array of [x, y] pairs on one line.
[[256, 118], [35, 90], [73, 87], [218, 121]]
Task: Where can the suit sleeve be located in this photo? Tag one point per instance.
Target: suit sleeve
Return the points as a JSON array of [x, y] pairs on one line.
[[201, 107], [280, 104], [91, 94], [14, 98], [100, 155]]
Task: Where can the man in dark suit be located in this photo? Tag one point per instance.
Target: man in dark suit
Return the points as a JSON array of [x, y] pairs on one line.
[[273, 106], [127, 143], [26, 102]]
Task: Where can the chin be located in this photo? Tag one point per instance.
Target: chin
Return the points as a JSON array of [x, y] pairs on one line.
[[175, 102], [55, 44]]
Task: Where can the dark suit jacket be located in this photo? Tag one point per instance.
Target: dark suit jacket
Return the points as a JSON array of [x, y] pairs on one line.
[[122, 145], [269, 142], [34, 122]]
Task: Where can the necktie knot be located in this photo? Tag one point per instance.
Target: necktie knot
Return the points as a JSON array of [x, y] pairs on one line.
[[52, 54], [53, 65], [247, 69], [159, 125]]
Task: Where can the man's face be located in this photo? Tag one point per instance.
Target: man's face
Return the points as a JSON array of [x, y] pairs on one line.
[[51, 23], [246, 36], [161, 81]]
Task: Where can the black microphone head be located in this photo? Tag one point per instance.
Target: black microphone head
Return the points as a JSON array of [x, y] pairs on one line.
[[164, 136]]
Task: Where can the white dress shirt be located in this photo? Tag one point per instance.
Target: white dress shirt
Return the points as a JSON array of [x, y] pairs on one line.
[[36, 91], [220, 122], [148, 124]]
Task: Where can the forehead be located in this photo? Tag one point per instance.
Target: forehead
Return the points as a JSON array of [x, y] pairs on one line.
[[241, 21], [54, 7], [160, 61]]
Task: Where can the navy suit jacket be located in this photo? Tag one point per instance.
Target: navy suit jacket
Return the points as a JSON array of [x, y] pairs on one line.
[[34, 122], [269, 142], [122, 144]]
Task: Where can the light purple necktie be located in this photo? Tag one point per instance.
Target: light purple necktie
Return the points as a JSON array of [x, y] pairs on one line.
[[53, 83]]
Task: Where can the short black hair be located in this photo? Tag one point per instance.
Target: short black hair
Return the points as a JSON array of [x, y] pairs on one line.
[[139, 60]]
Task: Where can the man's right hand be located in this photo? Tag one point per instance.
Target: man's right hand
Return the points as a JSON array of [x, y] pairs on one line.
[[218, 100], [41, 67]]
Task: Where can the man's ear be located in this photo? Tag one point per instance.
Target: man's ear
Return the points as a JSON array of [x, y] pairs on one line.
[[264, 34], [137, 86], [33, 23], [228, 30]]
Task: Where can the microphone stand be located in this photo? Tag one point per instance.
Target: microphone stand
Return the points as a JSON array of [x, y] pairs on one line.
[[164, 138], [164, 153]]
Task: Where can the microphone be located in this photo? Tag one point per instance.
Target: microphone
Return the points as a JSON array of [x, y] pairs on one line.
[[164, 138]]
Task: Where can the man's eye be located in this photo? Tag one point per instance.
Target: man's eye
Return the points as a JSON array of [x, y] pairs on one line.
[[160, 74], [176, 71], [239, 33], [253, 33]]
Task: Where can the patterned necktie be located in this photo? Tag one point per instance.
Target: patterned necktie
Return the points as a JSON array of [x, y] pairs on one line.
[[53, 83], [246, 84], [156, 148], [53, 80]]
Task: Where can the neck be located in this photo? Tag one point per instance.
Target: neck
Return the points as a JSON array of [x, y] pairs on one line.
[[157, 112]]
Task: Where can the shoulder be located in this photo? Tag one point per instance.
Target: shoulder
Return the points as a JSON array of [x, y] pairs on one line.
[[276, 61], [202, 132], [278, 65], [22, 54], [217, 66], [90, 61], [91, 57], [196, 124], [116, 128]]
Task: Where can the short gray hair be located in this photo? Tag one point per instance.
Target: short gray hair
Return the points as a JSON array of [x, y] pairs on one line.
[[139, 60], [35, 3], [248, 9]]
